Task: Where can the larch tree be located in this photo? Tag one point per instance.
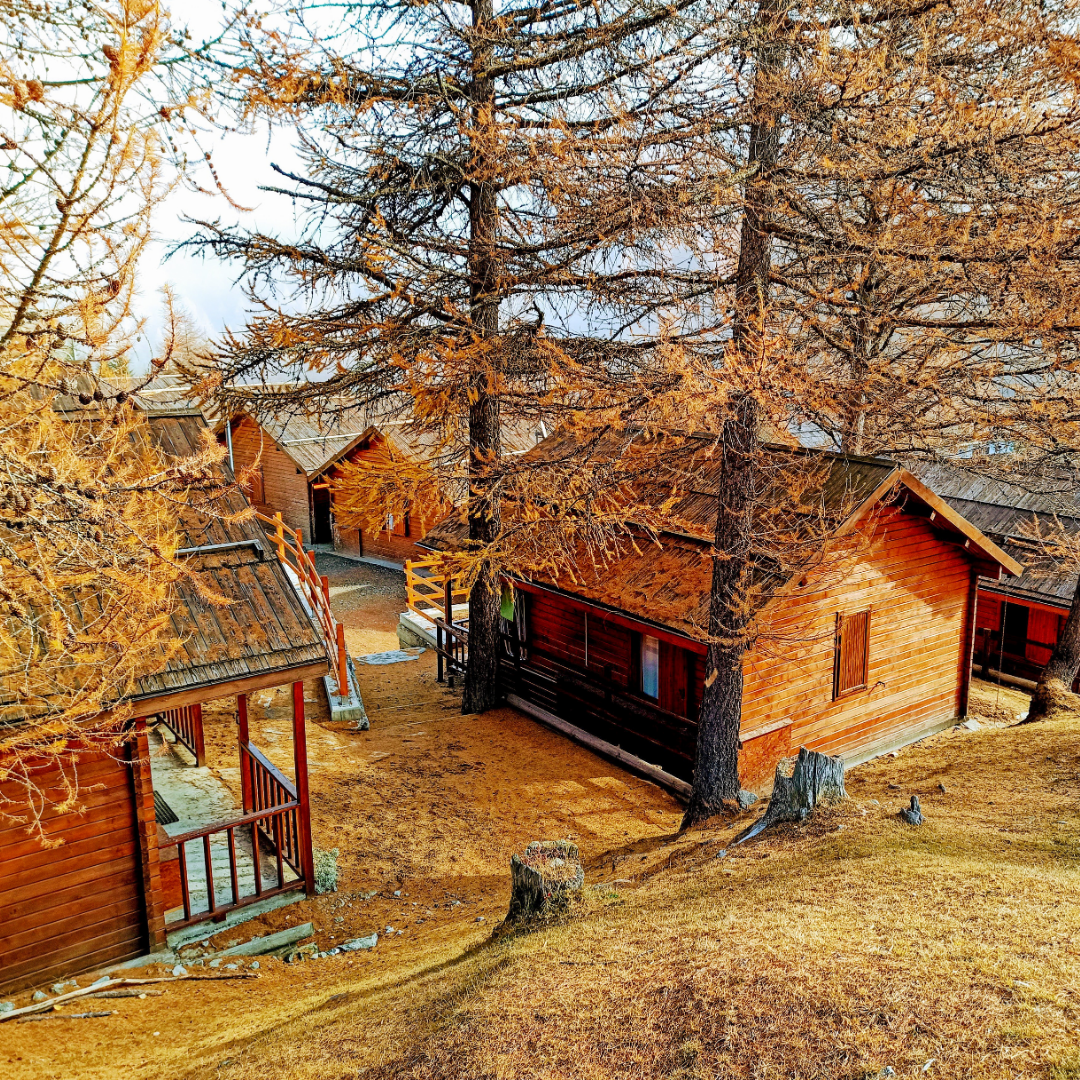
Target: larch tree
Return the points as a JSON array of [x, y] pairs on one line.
[[483, 186], [87, 504], [904, 260]]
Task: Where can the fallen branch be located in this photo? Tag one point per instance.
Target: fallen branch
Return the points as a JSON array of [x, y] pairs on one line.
[[106, 983], [130, 992], [65, 1016]]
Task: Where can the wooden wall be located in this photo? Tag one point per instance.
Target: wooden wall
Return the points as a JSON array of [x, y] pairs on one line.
[[397, 546], [284, 485], [917, 586], [80, 905]]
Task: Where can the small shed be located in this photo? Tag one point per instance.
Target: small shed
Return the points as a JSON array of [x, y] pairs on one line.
[[855, 665], [125, 871]]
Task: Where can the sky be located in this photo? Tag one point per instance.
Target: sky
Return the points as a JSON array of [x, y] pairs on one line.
[[204, 286]]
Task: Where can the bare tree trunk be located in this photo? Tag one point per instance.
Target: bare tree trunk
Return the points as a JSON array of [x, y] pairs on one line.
[[1059, 675], [716, 769], [481, 677]]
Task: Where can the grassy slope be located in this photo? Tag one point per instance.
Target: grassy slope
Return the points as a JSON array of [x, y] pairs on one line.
[[832, 949]]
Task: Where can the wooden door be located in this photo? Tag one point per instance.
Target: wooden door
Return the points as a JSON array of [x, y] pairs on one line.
[[675, 688], [77, 906]]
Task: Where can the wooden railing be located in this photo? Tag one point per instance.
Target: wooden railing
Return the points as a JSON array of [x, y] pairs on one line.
[[451, 649], [264, 787], [428, 588], [186, 724], [291, 552], [274, 824]]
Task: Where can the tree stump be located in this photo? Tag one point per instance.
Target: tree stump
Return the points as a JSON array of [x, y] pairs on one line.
[[544, 880], [912, 815], [815, 779]]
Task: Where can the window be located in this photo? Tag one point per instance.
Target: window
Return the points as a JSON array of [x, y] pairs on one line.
[[650, 666], [852, 652], [397, 526]]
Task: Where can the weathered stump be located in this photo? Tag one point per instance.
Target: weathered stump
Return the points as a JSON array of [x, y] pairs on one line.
[[815, 779], [544, 880]]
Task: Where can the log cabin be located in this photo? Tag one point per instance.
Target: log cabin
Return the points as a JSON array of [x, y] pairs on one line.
[[854, 662], [295, 458], [1019, 620], [127, 870]]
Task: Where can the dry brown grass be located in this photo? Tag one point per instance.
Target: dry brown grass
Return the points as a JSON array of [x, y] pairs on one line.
[[834, 949]]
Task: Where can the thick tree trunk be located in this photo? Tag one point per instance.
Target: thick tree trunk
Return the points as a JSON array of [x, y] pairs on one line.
[[1055, 683], [481, 677], [716, 769]]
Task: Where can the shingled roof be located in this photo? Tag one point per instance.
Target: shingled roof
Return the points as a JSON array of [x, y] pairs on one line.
[[1003, 510], [264, 629], [667, 581]]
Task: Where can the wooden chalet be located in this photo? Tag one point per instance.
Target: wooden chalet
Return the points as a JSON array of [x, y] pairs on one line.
[[130, 865], [853, 666], [1019, 620], [298, 456]]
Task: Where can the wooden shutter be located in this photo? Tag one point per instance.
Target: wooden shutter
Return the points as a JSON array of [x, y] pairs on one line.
[[852, 652]]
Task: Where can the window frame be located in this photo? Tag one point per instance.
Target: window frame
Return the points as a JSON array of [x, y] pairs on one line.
[[838, 654], [642, 638]]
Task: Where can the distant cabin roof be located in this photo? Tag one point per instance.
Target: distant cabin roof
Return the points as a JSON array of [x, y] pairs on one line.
[[1003, 510], [667, 581], [316, 442]]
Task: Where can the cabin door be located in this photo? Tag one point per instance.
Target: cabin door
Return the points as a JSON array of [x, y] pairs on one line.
[[322, 531]]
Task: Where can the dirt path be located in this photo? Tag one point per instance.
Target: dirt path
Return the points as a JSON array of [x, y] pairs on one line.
[[425, 810]]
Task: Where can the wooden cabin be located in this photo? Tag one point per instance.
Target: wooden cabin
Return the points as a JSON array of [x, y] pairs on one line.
[[855, 664], [298, 457], [128, 869], [1018, 620]]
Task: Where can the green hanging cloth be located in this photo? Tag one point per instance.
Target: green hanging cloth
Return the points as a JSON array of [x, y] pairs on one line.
[[506, 606]]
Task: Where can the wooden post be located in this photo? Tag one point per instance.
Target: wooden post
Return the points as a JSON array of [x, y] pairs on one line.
[[200, 738], [279, 536], [138, 755], [968, 656], [448, 600], [342, 661], [244, 739], [325, 589], [300, 762]]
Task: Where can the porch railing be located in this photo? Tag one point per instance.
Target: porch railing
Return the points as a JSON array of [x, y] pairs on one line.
[[271, 821], [428, 589], [291, 552], [451, 649], [186, 724], [265, 787]]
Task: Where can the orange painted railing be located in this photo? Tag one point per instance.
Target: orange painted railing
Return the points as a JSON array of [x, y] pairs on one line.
[[291, 552], [186, 724], [426, 587]]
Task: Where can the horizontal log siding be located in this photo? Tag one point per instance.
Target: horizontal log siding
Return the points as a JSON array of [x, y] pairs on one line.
[[80, 905], [285, 487], [917, 586]]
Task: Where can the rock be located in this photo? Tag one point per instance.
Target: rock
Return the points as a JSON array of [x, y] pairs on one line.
[[39, 995], [216, 963], [747, 799], [356, 944], [941, 788], [60, 987], [179, 970], [873, 802], [397, 892], [721, 853], [971, 725], [887, 1071], [479, 918], [389, 929], [300, 952], [254, 965], [6, 1007], [231, 967], [913, 814], [544, 880]]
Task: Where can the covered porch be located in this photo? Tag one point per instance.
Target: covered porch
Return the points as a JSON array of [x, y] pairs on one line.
[[228, 836]]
